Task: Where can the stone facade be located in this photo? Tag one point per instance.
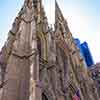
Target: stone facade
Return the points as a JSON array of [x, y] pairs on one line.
[[95, 74], [42, 64]]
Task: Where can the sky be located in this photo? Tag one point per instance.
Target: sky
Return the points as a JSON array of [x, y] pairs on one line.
[[83, 17]]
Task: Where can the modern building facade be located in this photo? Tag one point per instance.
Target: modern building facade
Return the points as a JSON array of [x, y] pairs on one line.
[[85, 51]]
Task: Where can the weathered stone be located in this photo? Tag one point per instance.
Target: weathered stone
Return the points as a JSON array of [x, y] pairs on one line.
[[43, 64]]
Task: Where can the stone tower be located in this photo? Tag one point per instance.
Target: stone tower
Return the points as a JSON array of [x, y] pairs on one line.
[[42, 64]]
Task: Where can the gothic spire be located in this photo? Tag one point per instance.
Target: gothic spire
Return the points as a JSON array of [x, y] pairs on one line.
[[37, 7], [33, 3], [22, 45], [60, 21], [37, 3], [58, 13]]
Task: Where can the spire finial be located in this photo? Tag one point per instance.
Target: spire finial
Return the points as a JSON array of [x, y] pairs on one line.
[[28, 3], [34, 3], [37, 2]]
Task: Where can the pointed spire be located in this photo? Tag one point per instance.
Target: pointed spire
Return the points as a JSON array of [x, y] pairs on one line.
[[60, 21], [32, 3], [37, 6], [58, 13], [28, 3], [37, 3]]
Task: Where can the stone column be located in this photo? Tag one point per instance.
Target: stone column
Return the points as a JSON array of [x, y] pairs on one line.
[[17, 86], [35, 83]]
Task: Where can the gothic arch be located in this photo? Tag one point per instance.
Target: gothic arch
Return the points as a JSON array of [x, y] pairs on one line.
[[44, 97], [43, 40], [46, 90], [48, 93]]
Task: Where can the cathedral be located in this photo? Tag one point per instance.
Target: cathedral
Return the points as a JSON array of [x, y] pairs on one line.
[[38, 62]]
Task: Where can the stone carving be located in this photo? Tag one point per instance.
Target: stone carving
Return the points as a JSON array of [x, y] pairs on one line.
[[32, 76]]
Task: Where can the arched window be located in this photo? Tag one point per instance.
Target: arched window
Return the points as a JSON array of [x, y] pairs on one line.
[[39, 46], [44, 97]]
